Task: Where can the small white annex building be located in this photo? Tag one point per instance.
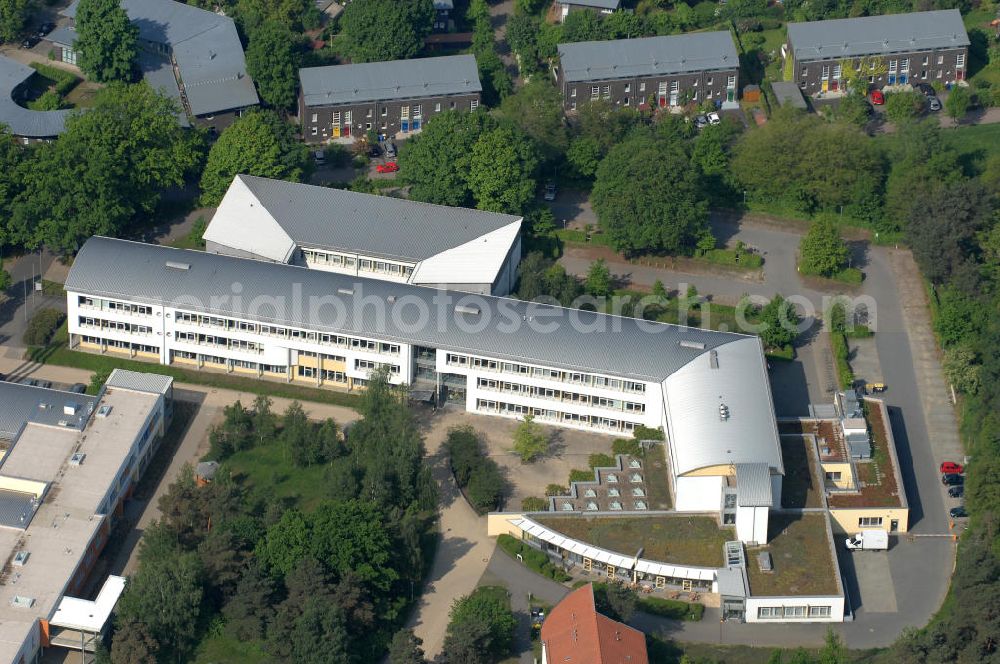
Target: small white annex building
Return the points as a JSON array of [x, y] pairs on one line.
[[379, 237]]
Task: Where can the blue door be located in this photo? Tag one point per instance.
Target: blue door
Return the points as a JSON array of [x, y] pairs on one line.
[[892, 79], [902, 79], [416, 124], [405, 125]]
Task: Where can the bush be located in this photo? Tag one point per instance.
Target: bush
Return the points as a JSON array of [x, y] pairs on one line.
[[42, 326], [577, 475], [534, 504], [648, 433], [845, 375], [533, 559], [463, 449], [786, 352], [65, 81], [49, 101], [486, 486], [628, 446], [556, 490], [671, 608], [599, 460]]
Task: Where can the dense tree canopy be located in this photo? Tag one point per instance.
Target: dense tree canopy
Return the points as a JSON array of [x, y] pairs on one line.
[[822, 250], [13, 16], [647, 197], [259, 143], [378, 30], [111, 163], [436, 162], [106, 41], [537, 109], [481, 628], [502, 171], [271, 64]]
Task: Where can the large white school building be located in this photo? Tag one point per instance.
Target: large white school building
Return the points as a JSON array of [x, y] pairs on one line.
[[708, 390]]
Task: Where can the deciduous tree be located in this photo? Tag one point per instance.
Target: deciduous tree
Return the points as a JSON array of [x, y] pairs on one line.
[[822, 251], [502, 171], [779, 321], [436, 162], [530, 439], [13, 16], [958, 102], [106, 41], [599, 282], [405, 648], [271, 64], [537, 108], [377, 30]]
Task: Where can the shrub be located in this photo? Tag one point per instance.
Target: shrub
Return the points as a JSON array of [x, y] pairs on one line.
[[840, 354], [647, 433], [463, 448], [65, 81], [486, 486], [599, 460], [533, 559], [628, 446], [671, 608], [577, 475], [534, 504], [42, 326], [556, 490]]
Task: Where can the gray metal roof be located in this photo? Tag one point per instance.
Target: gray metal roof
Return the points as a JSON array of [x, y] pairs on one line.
[[16, 508], [733, 582], [139, 381], [20, 120], [64, 35], [400, 79], [648, 56], [789, 94], [20, 404], [753, 485], [505, 329], [600, 4], [338, 219], [205, 46], [159, 73], [877, 35]]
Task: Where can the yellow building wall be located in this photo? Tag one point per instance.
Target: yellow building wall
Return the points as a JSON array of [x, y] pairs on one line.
[[21, 485], [307, 361], [846, 474], [499, 523], [846, 520], [712, 471], [334, 365]]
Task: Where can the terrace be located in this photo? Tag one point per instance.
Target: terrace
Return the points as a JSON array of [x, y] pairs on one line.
[[801, 486], [801, 555], [877, 482], [682, 540]]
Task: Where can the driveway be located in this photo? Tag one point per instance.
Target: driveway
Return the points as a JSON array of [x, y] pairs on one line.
[[22, 300]]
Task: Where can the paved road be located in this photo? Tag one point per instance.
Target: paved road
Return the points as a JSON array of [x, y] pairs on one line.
[[22, 301]]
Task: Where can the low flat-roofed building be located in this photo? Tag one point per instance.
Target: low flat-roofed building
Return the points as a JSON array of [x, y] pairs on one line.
[[380, 237], [70, 464], [23, 122], [663, 71], [564, 7], [392, 99]]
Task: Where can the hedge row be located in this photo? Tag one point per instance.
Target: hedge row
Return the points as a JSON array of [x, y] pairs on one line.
[[42, 326], [65, 81], [534, 559], [672, 608], [479, 475]]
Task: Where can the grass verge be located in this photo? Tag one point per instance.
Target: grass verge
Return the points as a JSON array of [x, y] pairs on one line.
[[533, 559]]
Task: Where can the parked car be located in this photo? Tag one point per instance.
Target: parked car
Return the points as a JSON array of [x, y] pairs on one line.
[[714, 119], [374, 151], [78, 388], [877, 97], [319, 156], [958, 512], [952, 479], [550, 191], [949, 467], [925, 89], [701, 121], [956, 491], [30, 41], [387, 167], [390, 150], [46, 28], [934, 104]]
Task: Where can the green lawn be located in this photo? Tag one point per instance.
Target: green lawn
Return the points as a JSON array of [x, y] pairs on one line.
[[800, 553], [225, 649], [979, 142], [683, 540], [800, 487], [268, 470], [655, 476]]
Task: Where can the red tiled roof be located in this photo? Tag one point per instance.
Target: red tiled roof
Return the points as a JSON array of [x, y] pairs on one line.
[[575, 633]]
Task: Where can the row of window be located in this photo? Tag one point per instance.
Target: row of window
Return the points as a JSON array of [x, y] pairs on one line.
[[326, 375], [894, 66], [404, 114], [120, 345], [117, 326], [559, 395], [773, 612], [869, 521], [242, 364], [369, 365], [220, 342], [575, 377], [115, 305], [547, 415], [597, 91], [357, 343], [337, 260]]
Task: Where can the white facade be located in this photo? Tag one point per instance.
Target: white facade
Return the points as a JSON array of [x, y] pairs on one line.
[[795, 609], [751, 524], [698, 494]]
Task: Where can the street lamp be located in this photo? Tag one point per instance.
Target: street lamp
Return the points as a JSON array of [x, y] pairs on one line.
[[744, 197]]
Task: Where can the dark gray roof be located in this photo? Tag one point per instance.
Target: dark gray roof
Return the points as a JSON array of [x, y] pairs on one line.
[[20, 404], [400, 79], [649, 56], [159, 73], [396, 228], [205, 46], [788, 94], [877, 35], [20, 120], [64, 35], [600, 4], [505, 328]]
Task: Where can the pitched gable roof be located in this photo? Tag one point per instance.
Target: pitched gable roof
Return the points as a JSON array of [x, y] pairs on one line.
[[575, 633]]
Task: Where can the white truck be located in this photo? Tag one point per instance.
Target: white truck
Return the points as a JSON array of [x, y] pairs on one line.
[[868, 540]]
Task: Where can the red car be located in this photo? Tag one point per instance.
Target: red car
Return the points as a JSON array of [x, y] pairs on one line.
[[951, 467], [387, 167], [877, 97]]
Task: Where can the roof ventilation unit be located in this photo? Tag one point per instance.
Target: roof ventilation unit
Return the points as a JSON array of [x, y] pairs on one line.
[[695, 345], [346, 291], [175, 265], [70, 408], [104, 411], [465, 309], [713, 359], [764, 561], [22, 602], [20, 558], [723, 412], [77, 458]]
